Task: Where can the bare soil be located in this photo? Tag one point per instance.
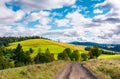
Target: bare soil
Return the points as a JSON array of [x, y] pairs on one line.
[[75, 71]]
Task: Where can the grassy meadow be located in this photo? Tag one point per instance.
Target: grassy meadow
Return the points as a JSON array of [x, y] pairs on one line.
[[54, 47]]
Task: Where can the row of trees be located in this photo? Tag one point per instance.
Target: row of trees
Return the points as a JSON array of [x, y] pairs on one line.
[[67, 54], [4, 41], [17, 57], [88, 48]]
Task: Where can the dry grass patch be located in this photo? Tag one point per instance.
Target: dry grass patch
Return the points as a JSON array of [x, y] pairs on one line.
[[104, 68]]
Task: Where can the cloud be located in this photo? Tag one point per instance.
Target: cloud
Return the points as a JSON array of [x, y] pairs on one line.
[[97, 11], [30, 5], [41, 16], [102, 28], [77, 19], [8, 16], [113, 5], [62, 22]]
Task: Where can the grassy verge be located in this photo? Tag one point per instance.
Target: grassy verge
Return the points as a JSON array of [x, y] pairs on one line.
[[40, 71], [105, 68]]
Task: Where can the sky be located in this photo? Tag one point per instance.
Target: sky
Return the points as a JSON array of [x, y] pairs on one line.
[[62, 20]]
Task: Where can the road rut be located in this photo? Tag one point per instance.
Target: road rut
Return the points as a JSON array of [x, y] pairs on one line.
[[75, 71]]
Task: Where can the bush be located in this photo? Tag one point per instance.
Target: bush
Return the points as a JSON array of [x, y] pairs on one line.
[[63, 56], [84, 57], [31, 50], [19, 64], [3, 62], [44, 57], [75, 55], [87, 48], [94, 52]]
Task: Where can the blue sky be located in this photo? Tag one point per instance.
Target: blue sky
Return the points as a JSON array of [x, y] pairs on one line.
[[64, 20]]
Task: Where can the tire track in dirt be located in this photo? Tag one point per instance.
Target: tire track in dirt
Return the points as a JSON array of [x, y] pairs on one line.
[[75, 71]]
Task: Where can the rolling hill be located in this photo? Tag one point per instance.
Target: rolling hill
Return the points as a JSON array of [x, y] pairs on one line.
[[54, 47]]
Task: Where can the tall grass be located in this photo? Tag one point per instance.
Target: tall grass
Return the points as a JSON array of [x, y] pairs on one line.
[[39, 71], [105, 68]]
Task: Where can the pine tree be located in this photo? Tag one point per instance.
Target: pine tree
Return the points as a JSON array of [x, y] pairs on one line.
[[3, 62], [19, 56], [31, 50], [47, 50]]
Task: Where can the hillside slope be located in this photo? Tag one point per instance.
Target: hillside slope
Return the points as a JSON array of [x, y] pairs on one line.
[[38, 71], [54, 47]]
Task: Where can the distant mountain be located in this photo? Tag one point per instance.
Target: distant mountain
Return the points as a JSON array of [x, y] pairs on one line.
[[111, 47]]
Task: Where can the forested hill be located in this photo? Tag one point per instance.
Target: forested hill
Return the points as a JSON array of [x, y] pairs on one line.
[[111, 47], [4, 41]]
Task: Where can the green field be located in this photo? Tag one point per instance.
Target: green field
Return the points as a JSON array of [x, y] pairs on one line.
[[54, 47], [109, 56]]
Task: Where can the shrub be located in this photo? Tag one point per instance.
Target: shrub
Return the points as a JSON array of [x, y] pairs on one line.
[[31, 50], [94, 52], [84, 56], [63, 56], [87, 48], [75, 55]]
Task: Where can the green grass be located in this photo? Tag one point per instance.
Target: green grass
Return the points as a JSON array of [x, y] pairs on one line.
[[39, 71], [54, 47], [109, 56], [104, 68]]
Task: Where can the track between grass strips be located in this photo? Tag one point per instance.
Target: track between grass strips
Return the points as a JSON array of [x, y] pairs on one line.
[[75, 71]]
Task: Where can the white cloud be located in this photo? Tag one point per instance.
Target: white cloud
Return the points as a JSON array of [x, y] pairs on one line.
[[77, 19], [113, 5], [8, 16], [29, 5], [62, 22], [42, 17], [98, 11]]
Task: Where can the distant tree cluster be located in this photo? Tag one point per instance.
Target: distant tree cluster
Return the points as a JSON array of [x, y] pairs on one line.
[[108, 52], [89, 48], [67, 54], [4, 41], [44, 57], [115, 48]]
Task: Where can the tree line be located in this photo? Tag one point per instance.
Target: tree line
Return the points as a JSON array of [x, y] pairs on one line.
[[4, 41], [17, 57]]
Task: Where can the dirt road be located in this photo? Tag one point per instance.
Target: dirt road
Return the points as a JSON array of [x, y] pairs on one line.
[[75, 71]]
